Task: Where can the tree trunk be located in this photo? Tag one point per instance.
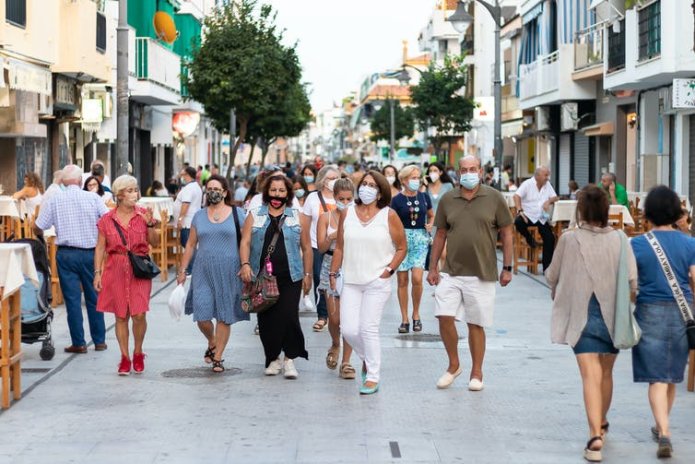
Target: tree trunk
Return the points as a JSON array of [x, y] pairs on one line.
[[266, 148], [248, 163], [243, 128]]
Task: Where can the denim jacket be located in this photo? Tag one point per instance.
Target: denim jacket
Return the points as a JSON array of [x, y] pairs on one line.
[[291, 230]]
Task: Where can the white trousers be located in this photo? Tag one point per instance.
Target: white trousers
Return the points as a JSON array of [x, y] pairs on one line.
[[361, 308]]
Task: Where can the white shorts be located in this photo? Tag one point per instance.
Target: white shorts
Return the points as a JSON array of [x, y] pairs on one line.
[[465, 298]]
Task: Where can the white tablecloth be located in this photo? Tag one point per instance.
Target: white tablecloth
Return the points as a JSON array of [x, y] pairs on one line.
[[509, 196], [631, 196], [564, 210], [158, 204], [16, 262], [11, 207]]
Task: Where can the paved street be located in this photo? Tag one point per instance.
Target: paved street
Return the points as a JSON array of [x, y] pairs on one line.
[[178, 412]]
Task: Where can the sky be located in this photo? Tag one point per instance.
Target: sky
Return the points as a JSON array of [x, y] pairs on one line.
[[340, 42]]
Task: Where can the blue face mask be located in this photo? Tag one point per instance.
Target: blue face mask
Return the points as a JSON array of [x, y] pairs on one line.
[[62, 187], [470, 180], [299, 193], [342, 206], [309, 179], [414, 184]]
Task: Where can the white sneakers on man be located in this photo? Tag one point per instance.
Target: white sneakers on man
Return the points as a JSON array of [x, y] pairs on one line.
[[274, 368], [475, 385], [448, 378], [290, 370]]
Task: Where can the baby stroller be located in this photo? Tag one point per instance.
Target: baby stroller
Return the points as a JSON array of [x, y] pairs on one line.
[[37, 314]]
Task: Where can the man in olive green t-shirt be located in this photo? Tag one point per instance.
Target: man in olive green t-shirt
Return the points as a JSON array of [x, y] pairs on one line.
[[616, 192], [468, 221]]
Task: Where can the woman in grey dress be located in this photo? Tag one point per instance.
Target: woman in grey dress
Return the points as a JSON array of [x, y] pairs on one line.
[[215, 291]]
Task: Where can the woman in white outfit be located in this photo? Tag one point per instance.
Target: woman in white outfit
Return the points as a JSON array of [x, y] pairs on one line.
[[371, 245]]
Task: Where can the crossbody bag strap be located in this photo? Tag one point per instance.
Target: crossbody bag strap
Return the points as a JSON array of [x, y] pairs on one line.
[[274, 241], [237, 226], [670, 277], [120, 232], [323, 202]]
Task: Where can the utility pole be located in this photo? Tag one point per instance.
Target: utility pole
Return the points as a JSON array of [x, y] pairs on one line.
[[232, 134], [496, 12], [392, 150], [122, 89]]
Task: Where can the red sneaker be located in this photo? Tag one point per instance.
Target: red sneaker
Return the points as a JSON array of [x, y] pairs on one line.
[[138, 362], [124, 366]]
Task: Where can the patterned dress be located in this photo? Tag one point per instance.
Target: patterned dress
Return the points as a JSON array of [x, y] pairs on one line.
[[122, 293], [215, 291]]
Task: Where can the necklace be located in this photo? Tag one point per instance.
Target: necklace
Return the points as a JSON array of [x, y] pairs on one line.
[[413, 208], [216, 214]]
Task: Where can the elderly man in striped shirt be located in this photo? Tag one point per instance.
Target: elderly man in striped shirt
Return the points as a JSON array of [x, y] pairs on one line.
[[74, 214]]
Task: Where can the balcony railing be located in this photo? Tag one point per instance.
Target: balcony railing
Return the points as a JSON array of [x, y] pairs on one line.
[[155, 63], [616, 48], [540, 77], [588, 47], [650, 31]]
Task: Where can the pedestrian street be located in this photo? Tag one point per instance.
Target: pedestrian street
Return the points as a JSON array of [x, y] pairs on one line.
[[178, 411]]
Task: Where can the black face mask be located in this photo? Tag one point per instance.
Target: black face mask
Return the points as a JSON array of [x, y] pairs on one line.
[[277, 202], [214, 197]]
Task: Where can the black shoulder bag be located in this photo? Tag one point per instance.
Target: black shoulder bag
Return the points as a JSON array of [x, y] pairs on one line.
[[143, 266]]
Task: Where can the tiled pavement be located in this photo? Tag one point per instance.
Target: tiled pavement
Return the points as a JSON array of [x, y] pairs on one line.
[[177, 412]]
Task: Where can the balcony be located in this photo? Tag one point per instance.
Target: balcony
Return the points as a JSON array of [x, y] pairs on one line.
[[588, 53], [648, 48], [82, 51], [548, 80], [157, 71]]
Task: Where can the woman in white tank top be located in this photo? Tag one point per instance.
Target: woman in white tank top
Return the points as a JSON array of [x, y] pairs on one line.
[[370, 246], [326, 235]]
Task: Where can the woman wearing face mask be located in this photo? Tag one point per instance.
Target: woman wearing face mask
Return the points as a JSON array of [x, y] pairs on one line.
[[289, 261], [439, 182], [301, 189], [309, 172], [120, 292], [93, 185], [414, 208], [371, 245], [215, 292], [391, 174], [318, 203], [327, 232]]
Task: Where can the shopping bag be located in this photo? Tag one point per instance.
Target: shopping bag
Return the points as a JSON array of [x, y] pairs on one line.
[[177, 302], [306, 302]]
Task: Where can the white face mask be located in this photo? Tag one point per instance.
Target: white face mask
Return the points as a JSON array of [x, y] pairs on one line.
[[391, 179], [368, 194], [330, 184], [434, 176]]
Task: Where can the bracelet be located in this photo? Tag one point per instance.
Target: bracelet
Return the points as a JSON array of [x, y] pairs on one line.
[[307, 274], [245, 264], [332, 274], [150, 226], [97, 271]]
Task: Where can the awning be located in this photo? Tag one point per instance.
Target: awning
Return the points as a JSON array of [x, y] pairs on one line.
[[29, 77], [512, 128], [533, 13], [596, 3], [597, 130]]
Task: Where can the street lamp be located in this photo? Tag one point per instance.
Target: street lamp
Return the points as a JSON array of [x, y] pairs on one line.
[[461, 21]]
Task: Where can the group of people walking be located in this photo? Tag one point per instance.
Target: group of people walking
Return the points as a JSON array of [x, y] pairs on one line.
[[347, 239]]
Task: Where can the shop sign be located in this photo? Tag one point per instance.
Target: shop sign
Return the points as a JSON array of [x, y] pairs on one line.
[[66, 92], [684, 93]]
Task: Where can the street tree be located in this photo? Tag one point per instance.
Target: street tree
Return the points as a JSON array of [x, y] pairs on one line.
[[440, 101], [380, 123], [241, 65]]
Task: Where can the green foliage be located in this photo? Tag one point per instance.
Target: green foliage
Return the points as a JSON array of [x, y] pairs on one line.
[[381, 122], [242, 64], [439, 100]]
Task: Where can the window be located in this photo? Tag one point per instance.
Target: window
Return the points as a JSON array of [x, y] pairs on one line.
[[616, 47], [649, 21], [101, 32], [16, 12]]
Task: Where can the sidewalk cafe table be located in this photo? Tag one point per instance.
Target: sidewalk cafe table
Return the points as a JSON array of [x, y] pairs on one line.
[[509, 196], [632, 196], [12, 212], [16, 263], [157, 204], [564, 211]]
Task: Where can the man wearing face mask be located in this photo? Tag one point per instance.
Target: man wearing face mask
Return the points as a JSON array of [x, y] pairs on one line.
[[188, 202], [533, 200], [468, 221]]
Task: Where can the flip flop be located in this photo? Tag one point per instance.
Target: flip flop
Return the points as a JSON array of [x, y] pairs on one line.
[[332, 357]]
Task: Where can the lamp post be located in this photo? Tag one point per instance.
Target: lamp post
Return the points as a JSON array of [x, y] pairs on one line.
[[461, 21]]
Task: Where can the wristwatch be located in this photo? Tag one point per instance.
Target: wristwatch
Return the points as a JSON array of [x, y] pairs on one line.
[[390, 270], [507, 268]]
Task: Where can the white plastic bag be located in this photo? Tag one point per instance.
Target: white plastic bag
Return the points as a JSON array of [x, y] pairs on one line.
[[177, 302], [306, 302]]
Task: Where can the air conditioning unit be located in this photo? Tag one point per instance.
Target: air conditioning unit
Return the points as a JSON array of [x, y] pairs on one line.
[[569, 118], [542, 118]]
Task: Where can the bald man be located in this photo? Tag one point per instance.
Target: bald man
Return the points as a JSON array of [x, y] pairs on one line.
[[533, 200]]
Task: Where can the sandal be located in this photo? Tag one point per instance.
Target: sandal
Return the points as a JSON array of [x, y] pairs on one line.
[[319, 325], [217, 366], [404, 328], [332, 357], [209, 356], [347, 371], [590, 454], [604, 429], [417, 325]]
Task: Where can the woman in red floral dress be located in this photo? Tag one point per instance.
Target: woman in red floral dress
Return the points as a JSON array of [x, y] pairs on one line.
[[120, 292]]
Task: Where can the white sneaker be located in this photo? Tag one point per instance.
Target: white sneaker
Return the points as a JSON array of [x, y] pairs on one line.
[[290, 370], [274, 368], [447, 379], [475, 385]]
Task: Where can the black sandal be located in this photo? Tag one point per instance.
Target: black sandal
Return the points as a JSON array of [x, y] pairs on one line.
[[593, 455], [404, 328], [209, 356], [417, 325], [604, 429], [217, 366]]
